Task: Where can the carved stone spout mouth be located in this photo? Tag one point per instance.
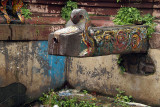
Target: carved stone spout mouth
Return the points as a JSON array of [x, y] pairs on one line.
[[55, 40], [81, 40], [66, 45], [76, 18], [64, 41]]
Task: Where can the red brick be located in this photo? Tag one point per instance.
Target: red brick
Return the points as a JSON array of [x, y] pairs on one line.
[[100, 17], [45, 20], [157, 1], [102, 23], [158, 28], [156, 13], [44, 8], [157, 5]]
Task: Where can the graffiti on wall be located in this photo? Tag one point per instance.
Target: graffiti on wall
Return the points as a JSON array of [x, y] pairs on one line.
[[117, 40], [78, 38]]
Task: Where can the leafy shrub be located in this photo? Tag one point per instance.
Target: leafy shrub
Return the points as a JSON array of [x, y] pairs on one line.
[[130, 15], [121, 99], [66, 11], [52, 99], [26, 12]]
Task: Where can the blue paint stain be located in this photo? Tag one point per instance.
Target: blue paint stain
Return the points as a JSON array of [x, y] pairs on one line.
[[56, 69]]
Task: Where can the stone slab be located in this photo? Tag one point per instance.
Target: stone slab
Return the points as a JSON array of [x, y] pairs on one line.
[[5, 32], [26, 31], [33, 32], [154, 41]]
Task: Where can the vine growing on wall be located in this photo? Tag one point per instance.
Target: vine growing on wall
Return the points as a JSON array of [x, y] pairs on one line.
[[66, 11]]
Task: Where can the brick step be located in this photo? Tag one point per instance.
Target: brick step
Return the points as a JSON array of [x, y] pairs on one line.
[[45, 20], [102, 23]]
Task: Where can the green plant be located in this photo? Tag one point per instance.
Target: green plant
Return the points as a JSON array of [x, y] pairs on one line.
[[119, 60], [118, 1], [66, 11], [122, 68], [52, 99], [85, 91], [148, 19], [130, 15], [121, 99], [26, 12], [127, 15]]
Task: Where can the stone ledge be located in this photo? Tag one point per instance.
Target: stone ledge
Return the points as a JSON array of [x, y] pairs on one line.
[[5, 32], [154, 41], [32, 31], [26, 31]]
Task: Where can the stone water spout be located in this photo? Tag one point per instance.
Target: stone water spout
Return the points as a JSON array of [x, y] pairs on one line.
[[80, 39]]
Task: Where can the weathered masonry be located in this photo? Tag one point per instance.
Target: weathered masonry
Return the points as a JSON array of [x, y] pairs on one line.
[[103, 74], [26, 65]]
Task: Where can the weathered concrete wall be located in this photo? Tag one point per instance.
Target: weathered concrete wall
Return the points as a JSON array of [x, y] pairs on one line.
[[28, 62], [102, 74]]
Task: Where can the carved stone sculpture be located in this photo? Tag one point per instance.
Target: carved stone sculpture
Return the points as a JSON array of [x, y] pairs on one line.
[[79, 39]]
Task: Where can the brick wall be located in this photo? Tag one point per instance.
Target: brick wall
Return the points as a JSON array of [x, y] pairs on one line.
[[49, 10]]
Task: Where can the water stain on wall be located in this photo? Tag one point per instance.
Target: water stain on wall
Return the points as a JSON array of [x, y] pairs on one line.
[[28, 62]]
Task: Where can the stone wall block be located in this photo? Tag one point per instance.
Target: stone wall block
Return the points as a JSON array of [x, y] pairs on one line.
[[154, 41]]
